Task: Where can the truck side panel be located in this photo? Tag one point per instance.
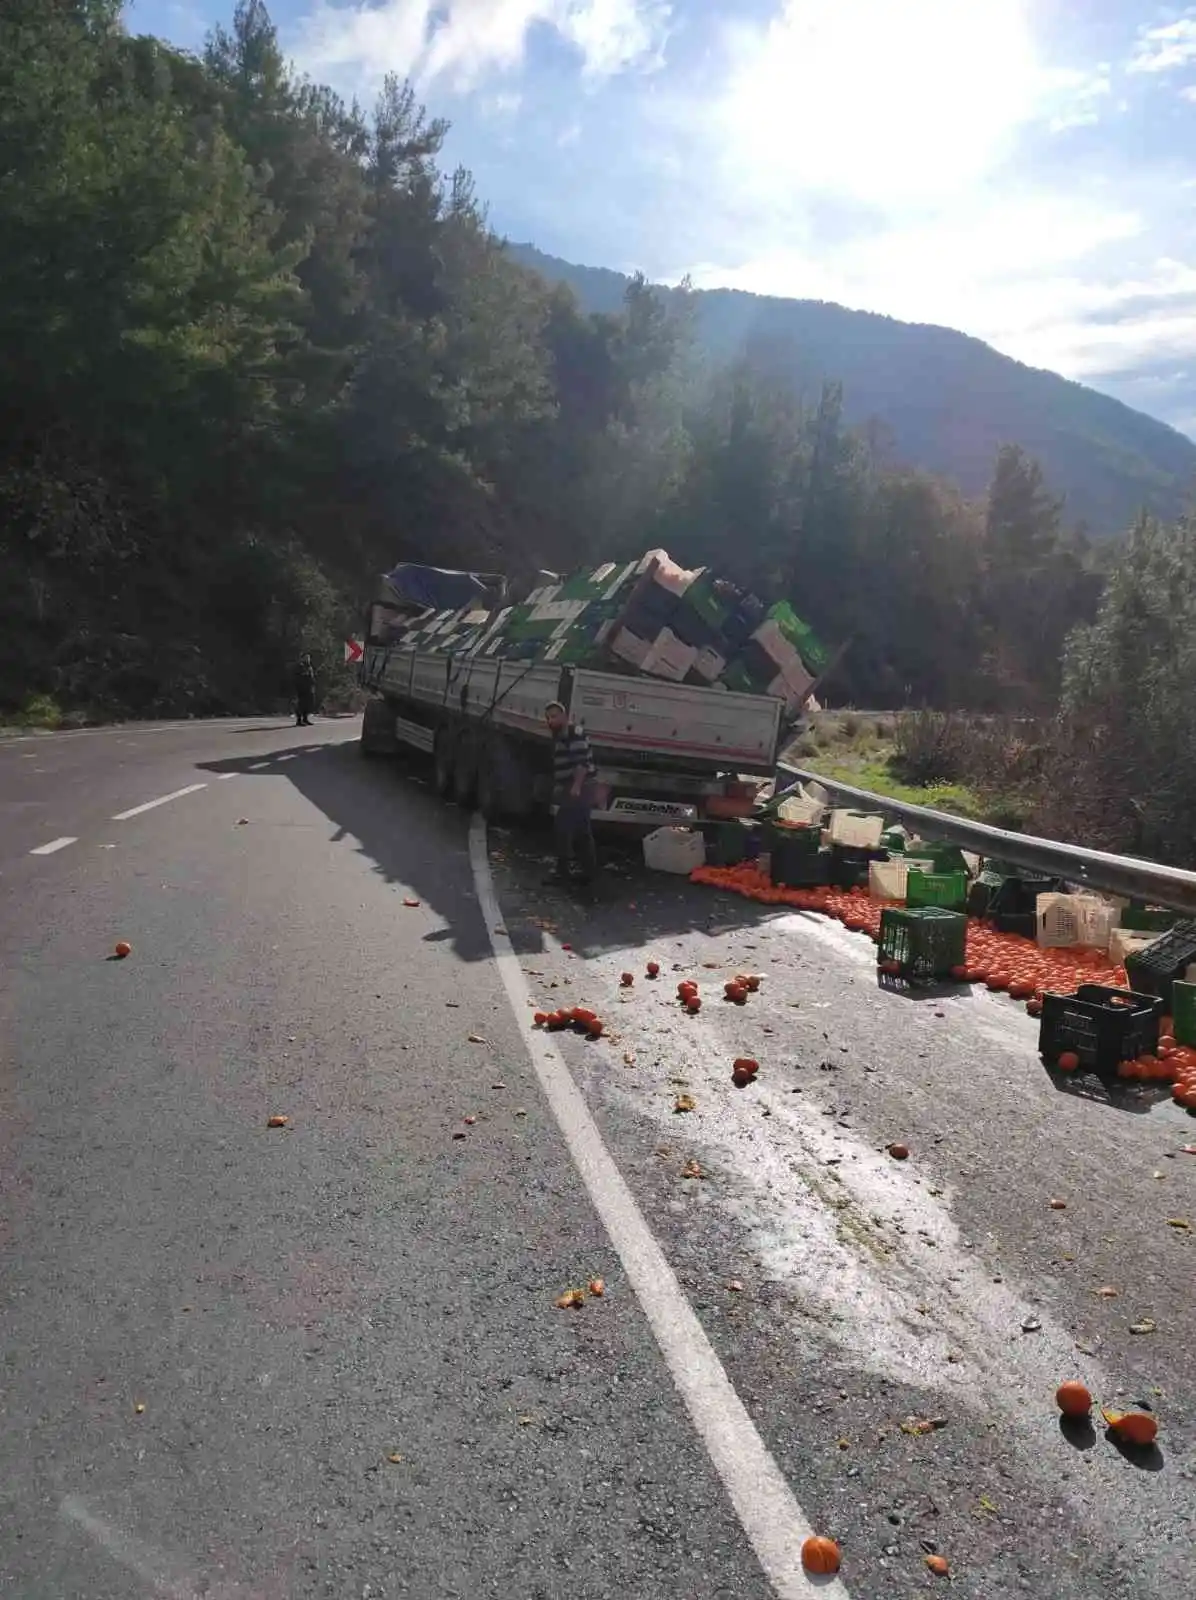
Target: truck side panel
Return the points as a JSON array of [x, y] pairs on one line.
[[690, 726], [710, 727]]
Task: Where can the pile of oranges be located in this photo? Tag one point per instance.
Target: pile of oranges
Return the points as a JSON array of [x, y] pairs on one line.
[[1004, 962]]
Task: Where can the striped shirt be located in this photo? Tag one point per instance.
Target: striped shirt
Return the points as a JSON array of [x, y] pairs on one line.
[[570, 750]]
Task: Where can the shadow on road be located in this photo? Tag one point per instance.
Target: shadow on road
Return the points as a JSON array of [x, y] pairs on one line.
[[1139, 1098], [419, 844], [631, 905], [384, 809]]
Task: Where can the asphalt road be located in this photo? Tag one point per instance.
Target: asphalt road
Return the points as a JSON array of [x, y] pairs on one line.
[[217, 1335]]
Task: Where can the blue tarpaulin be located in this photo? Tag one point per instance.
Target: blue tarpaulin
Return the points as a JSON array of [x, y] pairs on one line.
[[436, 588]]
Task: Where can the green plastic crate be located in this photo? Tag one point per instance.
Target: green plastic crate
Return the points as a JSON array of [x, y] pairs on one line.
[[946, 857], [947, 889], [893, 842], [925, 942], [1183, 1011]]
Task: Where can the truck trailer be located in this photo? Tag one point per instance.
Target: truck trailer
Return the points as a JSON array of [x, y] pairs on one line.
[[666, 752]]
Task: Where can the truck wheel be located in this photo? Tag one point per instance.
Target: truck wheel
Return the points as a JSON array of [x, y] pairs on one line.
[[377, 730], [489, 787], [504, 784], [443, 763], [465, 773]]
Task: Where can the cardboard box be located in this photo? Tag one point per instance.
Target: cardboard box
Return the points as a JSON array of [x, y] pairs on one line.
[[709, 665], [629, 647], [669, 657]]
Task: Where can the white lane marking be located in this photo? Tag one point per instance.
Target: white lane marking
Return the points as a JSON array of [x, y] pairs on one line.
[[163, 799], [166, 1577], [258, 766], [217, 725], [149, 1565], [53, 846], [225, 776], [764, 1503]]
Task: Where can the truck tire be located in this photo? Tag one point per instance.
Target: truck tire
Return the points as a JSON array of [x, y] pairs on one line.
[[491, 795], [465, 772], [444, 758], [504, 786], [377, 730]]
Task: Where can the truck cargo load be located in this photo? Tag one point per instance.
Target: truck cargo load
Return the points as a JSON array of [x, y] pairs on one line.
[[684, 682]]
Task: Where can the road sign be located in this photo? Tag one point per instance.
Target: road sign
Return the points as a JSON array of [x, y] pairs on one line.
[[354, 650]]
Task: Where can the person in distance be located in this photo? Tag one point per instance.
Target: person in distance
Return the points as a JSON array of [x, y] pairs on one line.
[[573, 772]]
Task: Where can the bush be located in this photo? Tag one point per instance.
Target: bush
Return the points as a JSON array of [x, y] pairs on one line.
[[1123, 765], [1004, 754], [930, 747], [40, 711]]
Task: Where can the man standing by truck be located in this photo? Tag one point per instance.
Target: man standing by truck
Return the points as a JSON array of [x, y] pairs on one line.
[[573, 795], [305, 692]]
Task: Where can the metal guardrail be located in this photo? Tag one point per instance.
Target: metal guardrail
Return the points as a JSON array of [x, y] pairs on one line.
[[1130, 876]]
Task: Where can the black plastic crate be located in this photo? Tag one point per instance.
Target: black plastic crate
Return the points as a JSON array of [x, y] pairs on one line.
[[1148, 919], [795, 867], [794, 835], [1023, 923], [996, 894], [1155, 969], [1102, 1026], [850, 863], [981, 894], [923, 943], [726, 843]]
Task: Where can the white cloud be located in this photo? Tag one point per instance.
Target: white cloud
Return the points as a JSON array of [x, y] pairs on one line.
[[875, 156], [502, 105], [1012, 272], [1166, 47], [1058, 282], [462, 42], [888, 104], [1081, 98], [614, 35]]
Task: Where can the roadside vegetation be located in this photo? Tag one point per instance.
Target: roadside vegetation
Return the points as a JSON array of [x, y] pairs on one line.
[[985, 768]]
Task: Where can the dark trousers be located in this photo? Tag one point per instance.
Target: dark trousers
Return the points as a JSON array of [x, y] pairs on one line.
[[304, 705], [574, 838]]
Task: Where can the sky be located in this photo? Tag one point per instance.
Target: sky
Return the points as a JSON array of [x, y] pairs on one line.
[[1023, 170]]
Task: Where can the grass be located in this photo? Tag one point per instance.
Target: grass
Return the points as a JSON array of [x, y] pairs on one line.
[[42, 714], [857, 748]]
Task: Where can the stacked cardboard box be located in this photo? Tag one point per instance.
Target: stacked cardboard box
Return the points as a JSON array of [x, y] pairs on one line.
[[648, 617]]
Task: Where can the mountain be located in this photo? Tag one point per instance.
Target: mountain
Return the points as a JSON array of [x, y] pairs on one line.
[[948, 400]]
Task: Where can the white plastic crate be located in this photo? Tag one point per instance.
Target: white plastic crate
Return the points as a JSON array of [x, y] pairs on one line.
[[1127, 942], [798, 806], [677, 850], [1074, 919], [859, 830], [887, 880]]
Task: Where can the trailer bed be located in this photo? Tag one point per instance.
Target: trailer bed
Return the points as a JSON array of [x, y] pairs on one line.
[[626, 718]]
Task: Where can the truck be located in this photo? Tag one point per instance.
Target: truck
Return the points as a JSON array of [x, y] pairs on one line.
[[666, 752]]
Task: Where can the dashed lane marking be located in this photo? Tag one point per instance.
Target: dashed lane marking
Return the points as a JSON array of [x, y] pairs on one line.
[[54, 846], [163, 799], [771, 1518]]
